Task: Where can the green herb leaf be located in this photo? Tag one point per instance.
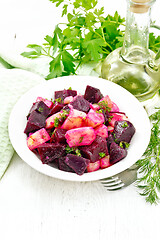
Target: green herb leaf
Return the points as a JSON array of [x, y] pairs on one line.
[[67, 61], [55, 68], [102, 154], [93, 47], [149, 179]]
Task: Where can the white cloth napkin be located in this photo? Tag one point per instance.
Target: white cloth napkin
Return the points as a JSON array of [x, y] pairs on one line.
[[13, 84]]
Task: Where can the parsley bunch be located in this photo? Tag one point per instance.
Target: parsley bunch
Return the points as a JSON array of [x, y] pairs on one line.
[[87, 36], [149, 180]]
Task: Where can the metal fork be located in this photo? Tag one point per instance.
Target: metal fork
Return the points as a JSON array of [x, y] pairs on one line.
[[121, 180]]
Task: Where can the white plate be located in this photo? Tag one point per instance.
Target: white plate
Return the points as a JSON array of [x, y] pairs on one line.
[[126, 102]]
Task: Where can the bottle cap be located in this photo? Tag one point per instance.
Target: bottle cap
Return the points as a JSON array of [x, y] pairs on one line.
[[140, 6]]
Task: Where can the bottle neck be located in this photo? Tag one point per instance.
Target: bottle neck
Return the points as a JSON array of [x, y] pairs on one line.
[[136, 41]]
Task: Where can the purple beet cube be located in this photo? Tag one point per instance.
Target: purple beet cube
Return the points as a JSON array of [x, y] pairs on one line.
[[123, 131], [116, 153], [92, 151], [92, 94], [59, 135], [63, 166], [80, 104], [106, 115], [77, 163], [56, 107], [40, 107], [49, 152], [62, 94], [110, 139], [35, 121]]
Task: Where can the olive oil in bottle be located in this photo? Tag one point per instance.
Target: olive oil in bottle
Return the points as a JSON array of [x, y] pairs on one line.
[[133, 66]]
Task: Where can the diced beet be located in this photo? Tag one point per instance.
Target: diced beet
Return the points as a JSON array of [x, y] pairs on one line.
[[123, 131], [59, 135], [92, 94], [67, 108], [110, 139], [106, 115], [91, 152], [40, 107], [63, 166], [49, 152], [77, 163], [35, 121], [49, 103], [56, 107], [62, 94], [116, 153], [80, 104]]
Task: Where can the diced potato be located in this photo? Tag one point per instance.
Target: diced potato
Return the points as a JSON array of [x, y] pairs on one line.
[[117, 117], [37, 138], [102, 131], [93, 166], [104, 162], [107, 101], [94, 119], [68, 99], [114, 108], [80, 136], [75, 119], [50, 121], [110, 128], [94, 106]]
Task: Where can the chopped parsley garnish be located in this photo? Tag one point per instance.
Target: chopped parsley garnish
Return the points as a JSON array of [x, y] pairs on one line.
[[73, 150], [110, 118], [125, 124], [123, 144], [102, 154], [99, 111], [56, 122], [104, 105], [40, 109], [81, 139], [59, 100]]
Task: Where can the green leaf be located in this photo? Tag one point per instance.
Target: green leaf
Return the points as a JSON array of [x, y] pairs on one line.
[[157, 55], [59, 33], [64, 12], [55, 68], [37, 50], [37, 47], [58, 2], [48, 39], [94, 48], [67, 60], [31, 54]]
